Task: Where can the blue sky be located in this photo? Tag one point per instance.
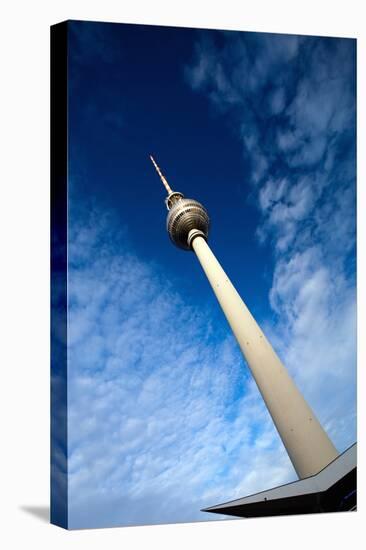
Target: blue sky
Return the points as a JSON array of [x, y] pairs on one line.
[[164, 417]]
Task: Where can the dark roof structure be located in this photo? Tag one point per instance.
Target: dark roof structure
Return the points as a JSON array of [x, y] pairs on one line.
[[333, 489]]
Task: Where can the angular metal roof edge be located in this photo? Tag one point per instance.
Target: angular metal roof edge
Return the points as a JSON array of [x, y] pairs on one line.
[[316, 483]]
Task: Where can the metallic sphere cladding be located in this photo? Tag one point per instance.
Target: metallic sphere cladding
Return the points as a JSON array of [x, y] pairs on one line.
[[185, 215]]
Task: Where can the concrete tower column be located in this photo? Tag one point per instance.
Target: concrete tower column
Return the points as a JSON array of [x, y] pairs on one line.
[[306, 442]]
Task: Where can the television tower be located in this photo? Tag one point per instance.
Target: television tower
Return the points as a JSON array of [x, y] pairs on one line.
[[307, 444]]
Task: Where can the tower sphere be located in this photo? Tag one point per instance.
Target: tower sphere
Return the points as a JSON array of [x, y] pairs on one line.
[[185, 215]]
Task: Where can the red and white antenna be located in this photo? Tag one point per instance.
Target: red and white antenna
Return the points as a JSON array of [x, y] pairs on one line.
[[165, 183]]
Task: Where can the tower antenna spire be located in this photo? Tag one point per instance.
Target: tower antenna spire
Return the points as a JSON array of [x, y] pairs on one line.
[[165, 183]]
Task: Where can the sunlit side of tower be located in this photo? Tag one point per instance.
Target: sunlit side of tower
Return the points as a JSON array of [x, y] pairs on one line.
[[306, 442]]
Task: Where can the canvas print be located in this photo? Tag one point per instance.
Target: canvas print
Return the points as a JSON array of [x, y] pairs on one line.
[[203, 293]]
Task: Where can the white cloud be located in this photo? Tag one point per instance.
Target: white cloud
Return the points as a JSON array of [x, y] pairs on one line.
[[163, 418], [296, 122]]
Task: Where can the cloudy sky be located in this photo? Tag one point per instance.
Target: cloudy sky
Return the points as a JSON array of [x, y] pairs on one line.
[[164, 418]]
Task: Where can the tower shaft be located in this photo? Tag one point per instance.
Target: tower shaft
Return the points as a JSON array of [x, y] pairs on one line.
[[306, 442]]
